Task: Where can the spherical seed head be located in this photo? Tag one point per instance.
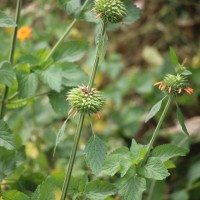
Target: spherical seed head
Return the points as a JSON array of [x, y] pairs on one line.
[[112, 11], [175, 82], [86, 102]]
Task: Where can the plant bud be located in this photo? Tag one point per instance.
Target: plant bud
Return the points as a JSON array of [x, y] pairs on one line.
[[84, 101], [112, 11]]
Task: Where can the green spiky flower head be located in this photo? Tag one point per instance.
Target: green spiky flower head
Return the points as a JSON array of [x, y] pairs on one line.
[[84, 101], [112, 11], [175, 84]]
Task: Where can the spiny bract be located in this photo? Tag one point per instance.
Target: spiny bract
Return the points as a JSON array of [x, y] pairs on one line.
[[84, 101], [112, 11]]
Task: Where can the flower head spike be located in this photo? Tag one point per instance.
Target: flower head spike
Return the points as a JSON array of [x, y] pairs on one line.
[[84, 101], [174, 84], [112, 11], [24, 33]]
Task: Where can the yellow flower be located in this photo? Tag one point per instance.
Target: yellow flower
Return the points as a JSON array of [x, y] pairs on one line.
[[24, 33]]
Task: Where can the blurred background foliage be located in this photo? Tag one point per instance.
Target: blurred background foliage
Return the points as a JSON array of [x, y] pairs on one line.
[[137, 56]]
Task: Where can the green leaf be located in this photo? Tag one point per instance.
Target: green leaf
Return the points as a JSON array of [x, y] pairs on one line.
[[6, 21], [169, 164], [125, 165], [72, 7], [154, 169], [14, 195], [154, 110], [186, 73], [99, 190], [45, 191], [7, 162], [60, 134], [103, 44], [194, 172], [71, 51], [58, 102], [52, 77], [174, 57], [73, 75], [83, 183], [133, 13], [180, 195], [132, 188], [7, 74], [112, 163], [95, 153], [6, 136], [181, 120], [166, 151], [27, 84], [138, 152]]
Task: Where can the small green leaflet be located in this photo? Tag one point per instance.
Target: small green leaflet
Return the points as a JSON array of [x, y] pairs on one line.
[[154, 110], [95, 153], [181, 120], [27, 84], [6, 136], [7, 74], [6, 21], [132, 187], [52, 77], [133, 13], [174, 57], [154, 169], [166, 151], [14, 195], [60, 135], [99, 190], [186, 73]]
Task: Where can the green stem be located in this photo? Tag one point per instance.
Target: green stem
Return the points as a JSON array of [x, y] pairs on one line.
[[96, 60], [81, 120], [11, 55], [65, 34], [151, 190], [150, 145], [72, 157]]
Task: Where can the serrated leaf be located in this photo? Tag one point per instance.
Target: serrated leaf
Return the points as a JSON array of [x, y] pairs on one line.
[[99, 190], [154, 110], [7, 162], [133, 13], [58, 102], [181, 120], [71, 51], [52, 77], [154, 169], [112, 163], [132, 188], [27, 84], [166, 151], [7, 74], [6, 21], [174, 57], [138, 152], [6, 136], [73, 75], [125, 165], [102, 41], [14, 195], [95, 153], [60, 135], [72, 7], [45, 191]]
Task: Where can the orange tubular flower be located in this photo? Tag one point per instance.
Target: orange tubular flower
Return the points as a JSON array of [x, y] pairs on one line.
[[24, 33]]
